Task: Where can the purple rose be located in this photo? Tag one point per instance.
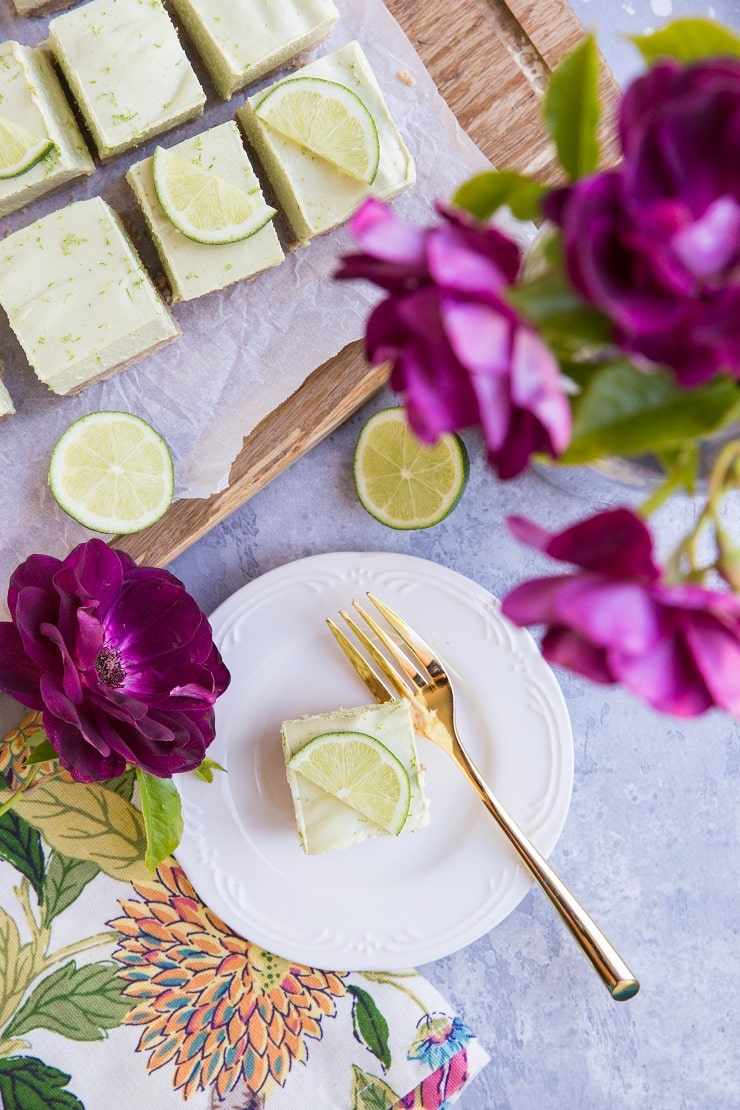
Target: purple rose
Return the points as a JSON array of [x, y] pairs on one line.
[[655, 243], [614, 620], [461, 356], [118, 658]]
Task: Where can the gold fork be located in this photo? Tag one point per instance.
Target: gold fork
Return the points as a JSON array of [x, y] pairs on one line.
[[421, 677]]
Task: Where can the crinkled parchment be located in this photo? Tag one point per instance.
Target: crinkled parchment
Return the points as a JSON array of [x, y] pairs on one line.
[[242, 350]]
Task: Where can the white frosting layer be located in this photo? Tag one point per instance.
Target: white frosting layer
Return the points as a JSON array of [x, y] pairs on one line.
[[127, 70], [241, 40], [196, 268], [77, 296], [324, 823], [315, 195], [30, 95]]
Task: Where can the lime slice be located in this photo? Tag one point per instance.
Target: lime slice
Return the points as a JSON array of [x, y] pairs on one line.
[[359, 771], [327, 119], [403, 482], [20, 149], [202, 205], [112, 472]]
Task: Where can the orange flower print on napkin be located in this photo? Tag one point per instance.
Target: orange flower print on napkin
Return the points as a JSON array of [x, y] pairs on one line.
[[216, 1008]]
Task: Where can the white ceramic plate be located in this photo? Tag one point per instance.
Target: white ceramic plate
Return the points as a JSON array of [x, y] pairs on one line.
[[389, 903]]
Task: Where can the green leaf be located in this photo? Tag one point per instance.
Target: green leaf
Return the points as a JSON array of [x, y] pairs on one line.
[[26, 1083], [65, 880], [162, 811], [369, 1026], [86, 821], [20, 844], [623, 411], [370, 1093], [485, 193], [42, 753], [565, 321], [571, 109], [206, 769], [79, 1003], [687, 40], [123, 785]]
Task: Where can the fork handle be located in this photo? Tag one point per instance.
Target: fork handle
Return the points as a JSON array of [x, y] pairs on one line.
[[597, 949]]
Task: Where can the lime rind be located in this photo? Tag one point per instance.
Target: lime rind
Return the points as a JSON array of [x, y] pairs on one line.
[[202, 206], [331, 762], [350, 142], [20, 149], [393, 479], [118, 495]]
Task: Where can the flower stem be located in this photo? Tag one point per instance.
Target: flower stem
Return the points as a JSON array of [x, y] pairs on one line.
[[391, 980], [79, 946], [11, 801]]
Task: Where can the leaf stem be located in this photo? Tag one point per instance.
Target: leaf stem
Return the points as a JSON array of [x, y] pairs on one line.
[[391, 980], [70, 950], [11, 801]]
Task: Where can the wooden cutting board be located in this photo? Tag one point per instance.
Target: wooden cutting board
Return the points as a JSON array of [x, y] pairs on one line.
[[490, 59]]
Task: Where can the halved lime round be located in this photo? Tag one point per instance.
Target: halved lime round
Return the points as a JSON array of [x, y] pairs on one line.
[[403, 482], [359, 771], [112, 472], [204, 207], [327, 119], [20, 149]]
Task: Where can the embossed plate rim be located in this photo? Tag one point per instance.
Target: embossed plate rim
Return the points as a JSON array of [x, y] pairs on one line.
[[384, 905]]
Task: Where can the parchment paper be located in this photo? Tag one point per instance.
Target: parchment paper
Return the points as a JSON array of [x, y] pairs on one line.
[[243, 350]]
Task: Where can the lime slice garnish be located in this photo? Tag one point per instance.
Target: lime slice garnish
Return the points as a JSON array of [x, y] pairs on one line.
[[202, 205], [359, 771], [112, 472], [403, 482], [20, 149], [328, 120]]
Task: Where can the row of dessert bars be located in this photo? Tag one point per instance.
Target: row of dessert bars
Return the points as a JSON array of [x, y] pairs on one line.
[[76, 294]]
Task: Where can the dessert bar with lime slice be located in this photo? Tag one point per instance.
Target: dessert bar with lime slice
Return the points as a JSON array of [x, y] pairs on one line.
[[204, 188], [403, 482], [112, 472], [327, 141], [354, 775], [77, 297], [41, 147], [127, 70], [242, 40]]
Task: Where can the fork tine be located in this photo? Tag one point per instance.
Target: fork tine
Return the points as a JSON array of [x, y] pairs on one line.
[[377, 688], [408, 666], [413, 640], [396, 681]]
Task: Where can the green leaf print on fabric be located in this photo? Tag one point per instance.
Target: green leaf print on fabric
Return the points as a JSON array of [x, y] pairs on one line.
[[369, 1092], [20, 844], [80, 1003], [65, 880], [369, 1026], [26, 1083]]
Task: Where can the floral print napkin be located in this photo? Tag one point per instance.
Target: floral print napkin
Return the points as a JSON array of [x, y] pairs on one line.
[[118, 984]]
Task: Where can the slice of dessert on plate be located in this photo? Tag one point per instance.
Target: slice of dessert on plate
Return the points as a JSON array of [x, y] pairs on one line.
[[327, 141], [242, 40], [127, 70], [78, 298], [354, 774], [205, 212], [41, 147]]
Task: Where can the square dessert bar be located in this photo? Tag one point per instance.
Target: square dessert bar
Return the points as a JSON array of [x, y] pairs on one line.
[[325, 824], [193, 268], [31, 98], [314, 194], [39, 7], [77, 297], [242, 40], [127, 71]]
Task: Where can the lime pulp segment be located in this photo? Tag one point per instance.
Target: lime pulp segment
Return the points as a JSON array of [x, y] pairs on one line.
[[204, 207], [328, 120], [402, 482], [112, 472], [361, 772]]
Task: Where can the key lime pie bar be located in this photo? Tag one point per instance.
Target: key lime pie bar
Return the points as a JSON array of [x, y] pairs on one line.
[[41, 147], [327, 141], [127, 71], [209, 168], [242, 40], [349, 770], [78, 298]]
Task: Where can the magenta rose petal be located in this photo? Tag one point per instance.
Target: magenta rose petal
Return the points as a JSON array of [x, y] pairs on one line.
[[564, 648], [665, 678], [610, 614], [716, 652]]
